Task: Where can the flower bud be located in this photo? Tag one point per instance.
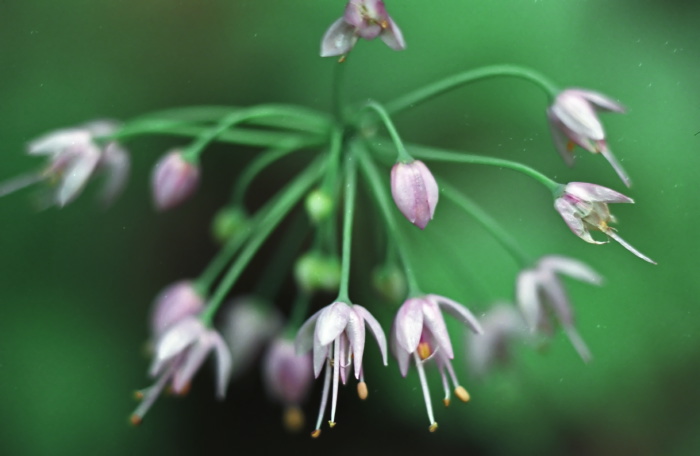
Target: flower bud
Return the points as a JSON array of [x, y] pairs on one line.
[[390, 282], [314, 272], [228, 222], [174, 303], [319, 205], [415, 192], [174, 180]]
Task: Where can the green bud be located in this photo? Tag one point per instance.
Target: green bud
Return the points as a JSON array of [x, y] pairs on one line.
[[390, 282], [316, 272], [319, 205], [228, 222]]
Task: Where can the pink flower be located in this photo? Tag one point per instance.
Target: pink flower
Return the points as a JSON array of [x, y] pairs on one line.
[[180, 352], [502, 326], [540, 291], [177, 301], [573, 120], [75, 157], [336, 334], [584, 207], [419, 333], [415, 192], [366, 19], [288, 378], [174, 180]]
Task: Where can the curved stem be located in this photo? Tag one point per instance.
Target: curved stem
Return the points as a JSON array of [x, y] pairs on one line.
[[288, 198], [403, 155], [425, 93], [456, 157], [348, 215], [381, 195], [488, 222]]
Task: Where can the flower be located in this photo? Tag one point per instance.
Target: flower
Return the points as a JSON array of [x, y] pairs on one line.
[[287, 377], [247, 324], [502, 325], [419, 332], [177, 301], [337, 335], [540, 290], [180, 352], [366, 19], [585, 206], [174, 180], [75, 157], [573, 120], [415, 192]]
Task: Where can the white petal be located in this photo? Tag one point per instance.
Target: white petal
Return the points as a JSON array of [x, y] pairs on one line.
[[408, 325], [179, 337], [376, 329], [304, 340], [77, 174], [458, 311], [527, 298], [571, 267], [433, 321], [339, 39], [331, 322], [355, 332], [224, 365]]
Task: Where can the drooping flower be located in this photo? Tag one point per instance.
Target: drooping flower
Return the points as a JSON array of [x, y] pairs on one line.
[[247, 324], [540, 291], [502, 326], [336, 334], [75, 157], [174, 180], [288, 378], [366, 19], [584, 207], [415, 192], [180, 352], [419, 333], [573, 120], [177, 301]]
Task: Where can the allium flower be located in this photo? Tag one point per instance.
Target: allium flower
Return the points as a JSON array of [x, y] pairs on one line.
[[247, 324], [584, 207], [540, 291], [74, 158], [177, 301], [502, 325], [174, 180], [415, 192], [337, 335], [366, 19], [573, 120], [180, 352], [288, 378], [419, 333]]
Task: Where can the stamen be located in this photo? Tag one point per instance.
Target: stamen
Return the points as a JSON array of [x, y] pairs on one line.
[[460, 391], [149, 395], [433, 427], [578, 343], [19, 183], [324, 399], [424, 350], [293, 418], [426, 391], [336, 375], [446, 387], [362, 390], [570, 146], [462, 394]]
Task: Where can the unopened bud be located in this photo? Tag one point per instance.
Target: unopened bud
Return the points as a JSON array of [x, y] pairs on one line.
[[314, 272], [390, 282], [319, 205], [174, 180], [228, 222], [415, 192]]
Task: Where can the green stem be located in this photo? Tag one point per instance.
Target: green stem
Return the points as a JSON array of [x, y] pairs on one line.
[[214, 268], [334, 150], [403, 155], [488, 222], [429, 153], [289, 197], [425, 93], [382, 197], [348, 215]]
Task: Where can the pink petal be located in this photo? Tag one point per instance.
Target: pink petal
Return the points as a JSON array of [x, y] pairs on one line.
[[458, 311], [339, 39], [408, 324], [376, 329], [433, 321]]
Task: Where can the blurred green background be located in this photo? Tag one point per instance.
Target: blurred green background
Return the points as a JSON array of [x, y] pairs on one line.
[[77, 283]]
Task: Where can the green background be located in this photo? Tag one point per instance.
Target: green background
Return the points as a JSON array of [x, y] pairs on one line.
[[76, 284]]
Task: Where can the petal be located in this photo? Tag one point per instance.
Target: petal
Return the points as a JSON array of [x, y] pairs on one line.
[[595, 193], [629, 247], [560, 138], [191, 364], [331, 322], [77, 174], [393, 37], [577, 114], [116, 163], [408, 324], [571, 267], [557, 298], [402, 356], [527, 298], [59, 140], [601, 101], [617, 166], [320, 357], [573, 221], [304, 340], [459, 312], [376, 329], [433, 321], [224, 365], [339, 39], [179, 337], [355, 333]]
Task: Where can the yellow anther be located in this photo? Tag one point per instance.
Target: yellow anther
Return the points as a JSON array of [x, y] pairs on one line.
[[135, 420], [362, 390], [424, 351], [138, 395], [433, 427], [446, 401], [293, 419], [331, 424], [316, 433], [462, 394]]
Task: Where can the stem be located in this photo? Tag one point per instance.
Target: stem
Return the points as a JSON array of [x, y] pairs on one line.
[[349, 212], [403, 155], [425, 93], [429, 153], [488, 222], [380, 193], [288, 198]]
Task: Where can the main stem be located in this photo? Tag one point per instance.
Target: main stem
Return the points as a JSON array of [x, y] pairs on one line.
[[349, 212], [423, 94]]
